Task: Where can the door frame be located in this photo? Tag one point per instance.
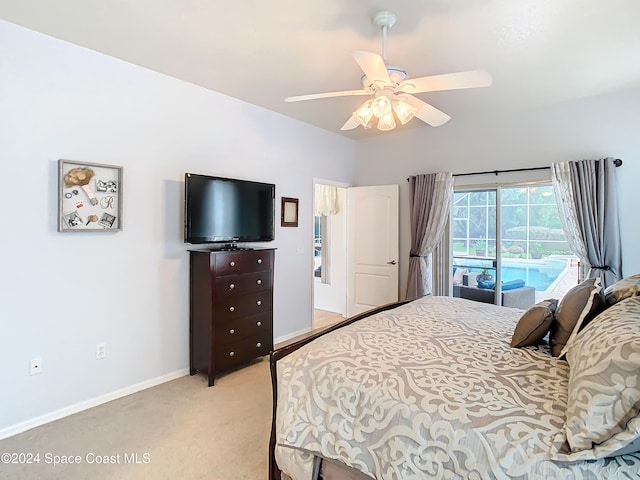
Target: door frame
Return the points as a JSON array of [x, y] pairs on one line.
[[347, 252], [323, 181]]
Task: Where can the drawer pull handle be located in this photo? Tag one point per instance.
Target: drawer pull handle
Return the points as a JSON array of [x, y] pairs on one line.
[[232, 264], [259, 302], [259, 282], [231, 354], [231, 286], [232, 331], [259, 324], [258, 345], [259, 261], [232, 309]]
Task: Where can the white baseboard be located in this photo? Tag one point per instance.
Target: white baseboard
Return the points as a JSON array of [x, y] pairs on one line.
[[93, 402], [304, 331]]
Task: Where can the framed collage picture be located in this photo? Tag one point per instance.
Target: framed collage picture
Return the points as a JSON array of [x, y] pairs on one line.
[[89, 197]]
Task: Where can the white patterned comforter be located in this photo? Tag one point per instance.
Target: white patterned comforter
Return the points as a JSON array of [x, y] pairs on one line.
[[431, 389]]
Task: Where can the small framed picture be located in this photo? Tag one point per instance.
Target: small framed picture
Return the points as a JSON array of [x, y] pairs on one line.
[[89, 197], [289, 212]]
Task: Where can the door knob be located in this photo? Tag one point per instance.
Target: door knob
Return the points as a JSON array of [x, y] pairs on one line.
[[392, 262]]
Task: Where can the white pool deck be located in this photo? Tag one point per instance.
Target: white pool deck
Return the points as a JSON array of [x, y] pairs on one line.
[[567, 279]]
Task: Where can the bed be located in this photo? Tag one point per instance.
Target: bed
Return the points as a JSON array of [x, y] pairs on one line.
[[433, 389]]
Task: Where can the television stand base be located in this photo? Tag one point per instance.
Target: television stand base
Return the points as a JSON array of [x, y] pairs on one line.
[[231, 247]]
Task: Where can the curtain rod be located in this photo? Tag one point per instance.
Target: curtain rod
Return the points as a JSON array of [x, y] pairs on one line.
[[617, 162]]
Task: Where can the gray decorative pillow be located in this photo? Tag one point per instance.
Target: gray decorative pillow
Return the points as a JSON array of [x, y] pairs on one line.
[[603, 406], [579, 306], [625, 288], [534, 324]]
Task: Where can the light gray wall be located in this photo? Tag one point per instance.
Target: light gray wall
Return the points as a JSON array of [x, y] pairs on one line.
[[590, 128], [62, 293]]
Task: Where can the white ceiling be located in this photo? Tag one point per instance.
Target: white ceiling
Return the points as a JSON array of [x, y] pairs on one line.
[[538, 51]]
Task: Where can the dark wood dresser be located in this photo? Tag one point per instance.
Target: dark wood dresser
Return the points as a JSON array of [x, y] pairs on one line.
[[230, 308]]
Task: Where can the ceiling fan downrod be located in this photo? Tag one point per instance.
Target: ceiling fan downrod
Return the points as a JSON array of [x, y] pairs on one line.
[[384, 19]]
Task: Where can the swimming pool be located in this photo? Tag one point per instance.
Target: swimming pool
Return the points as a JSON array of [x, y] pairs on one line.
[[538, 275]]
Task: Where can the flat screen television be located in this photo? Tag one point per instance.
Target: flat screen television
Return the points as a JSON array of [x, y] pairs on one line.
[[227, 210]]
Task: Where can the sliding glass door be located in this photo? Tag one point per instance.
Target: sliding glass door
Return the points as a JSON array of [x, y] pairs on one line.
[[534, 251], [508, 246], [475, 260]]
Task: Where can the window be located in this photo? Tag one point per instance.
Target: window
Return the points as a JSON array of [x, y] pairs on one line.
[[321, 248]]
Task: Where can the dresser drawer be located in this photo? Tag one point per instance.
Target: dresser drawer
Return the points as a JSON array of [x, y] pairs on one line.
[[233, 285], [243, 327], [243, 306], [243, 261], [241, 351]]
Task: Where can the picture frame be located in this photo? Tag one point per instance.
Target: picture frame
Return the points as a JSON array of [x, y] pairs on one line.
[[289, 212], [89, 197]]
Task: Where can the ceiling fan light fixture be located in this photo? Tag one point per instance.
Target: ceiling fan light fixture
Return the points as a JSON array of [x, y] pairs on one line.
[[394, 91], [381, 106], [387, 122], [404, 111], [364, 113]]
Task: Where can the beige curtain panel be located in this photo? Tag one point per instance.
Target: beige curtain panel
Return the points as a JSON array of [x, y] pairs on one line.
[[325, 200]]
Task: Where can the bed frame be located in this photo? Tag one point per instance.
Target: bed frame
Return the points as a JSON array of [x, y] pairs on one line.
[[277, 354]]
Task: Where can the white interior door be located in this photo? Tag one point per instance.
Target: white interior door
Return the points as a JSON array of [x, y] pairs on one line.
[[372, 267]]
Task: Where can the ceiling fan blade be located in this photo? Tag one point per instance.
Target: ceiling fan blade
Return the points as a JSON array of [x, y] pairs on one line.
[[351, 123], [448, 81], [426, 112], [372, 65], [314, 96]]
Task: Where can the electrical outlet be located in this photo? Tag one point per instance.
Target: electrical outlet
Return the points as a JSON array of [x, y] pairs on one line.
[[35, 366], [101, 350]]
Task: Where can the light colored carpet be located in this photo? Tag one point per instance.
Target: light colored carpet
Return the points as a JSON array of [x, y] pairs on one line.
[[323, 319], [182, 428]]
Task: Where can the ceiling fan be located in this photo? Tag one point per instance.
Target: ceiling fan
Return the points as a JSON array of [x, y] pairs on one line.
[[392, 89]]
